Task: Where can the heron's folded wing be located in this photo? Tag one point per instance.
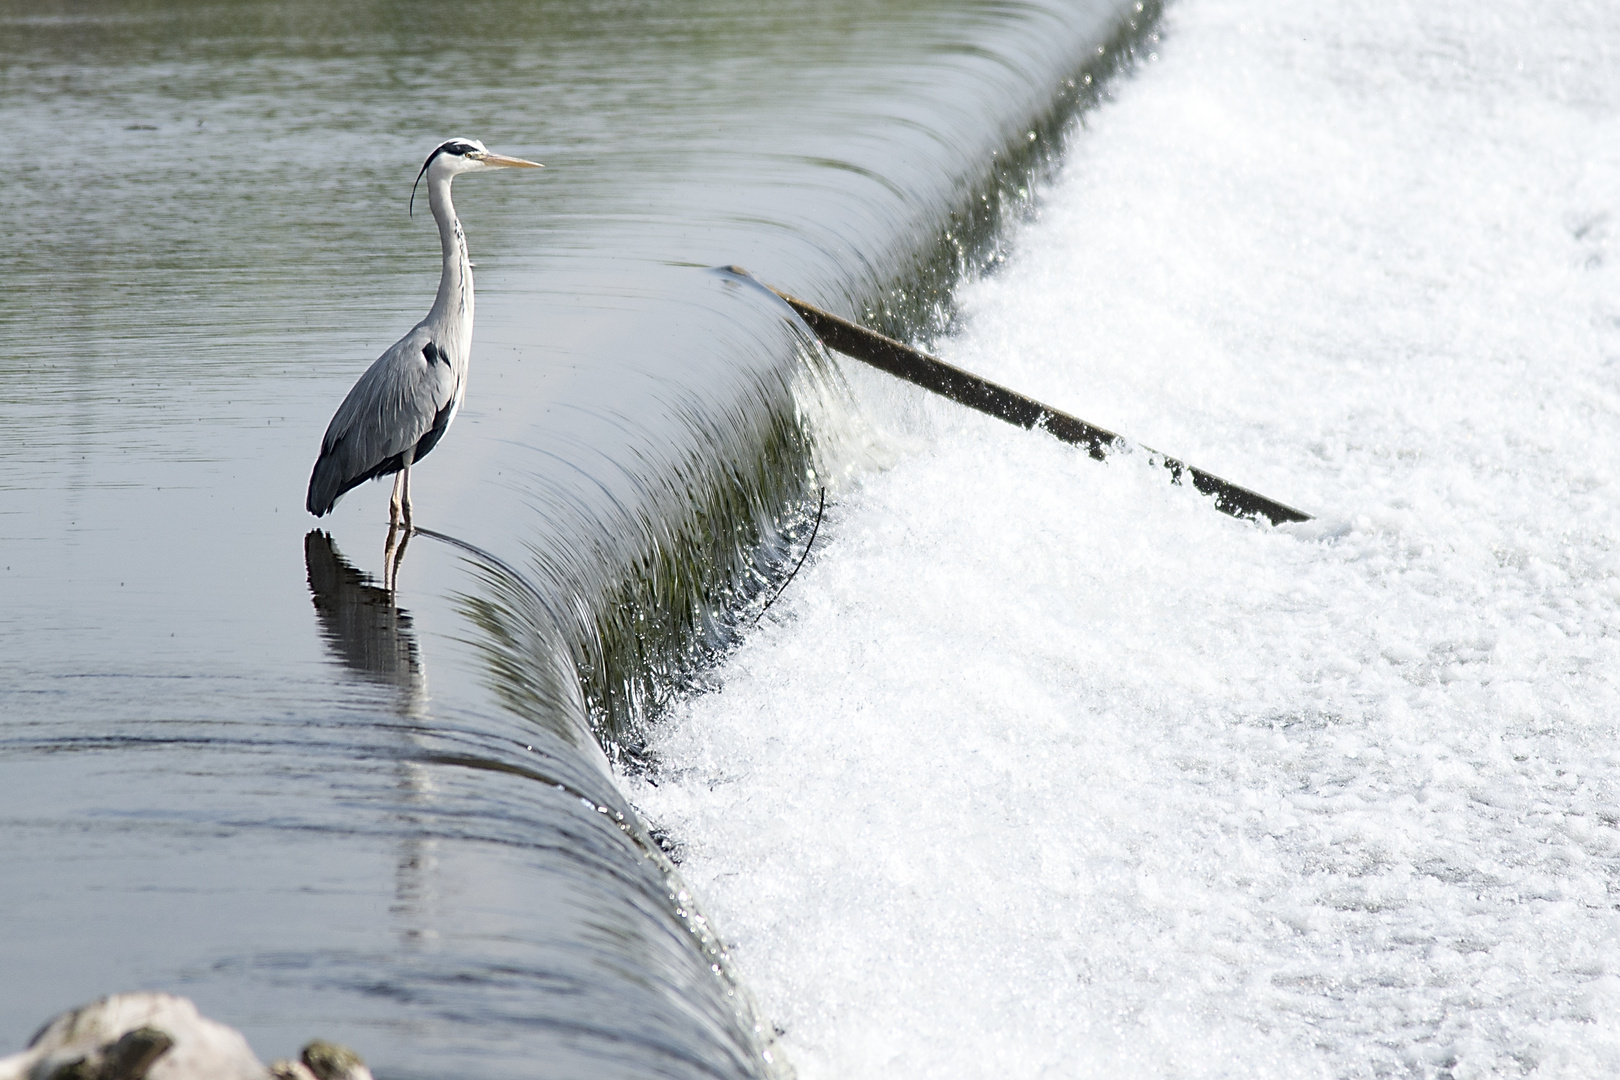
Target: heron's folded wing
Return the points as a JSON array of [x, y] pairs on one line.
[[392, 405]]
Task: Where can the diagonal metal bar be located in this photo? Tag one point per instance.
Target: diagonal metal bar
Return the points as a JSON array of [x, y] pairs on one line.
[[975, 392]]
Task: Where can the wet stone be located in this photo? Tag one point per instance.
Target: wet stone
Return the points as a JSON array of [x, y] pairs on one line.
[[151, 1036]]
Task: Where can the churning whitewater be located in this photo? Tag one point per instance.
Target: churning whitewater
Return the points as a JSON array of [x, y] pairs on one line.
[[1043, 767]]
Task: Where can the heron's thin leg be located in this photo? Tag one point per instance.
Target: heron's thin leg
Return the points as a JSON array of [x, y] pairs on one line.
[[395, 500], [406, 474]]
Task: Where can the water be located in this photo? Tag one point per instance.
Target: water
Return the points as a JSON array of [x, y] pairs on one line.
[[1046, 764], [230, 766]]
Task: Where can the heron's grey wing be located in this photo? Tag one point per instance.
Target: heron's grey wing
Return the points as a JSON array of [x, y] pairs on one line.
[[391, 408]]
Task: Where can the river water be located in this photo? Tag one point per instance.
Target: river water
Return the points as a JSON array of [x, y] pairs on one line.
[[232, 766], [1043, 763]]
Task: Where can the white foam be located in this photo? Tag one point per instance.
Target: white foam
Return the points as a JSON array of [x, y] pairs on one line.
[[1043, 767]]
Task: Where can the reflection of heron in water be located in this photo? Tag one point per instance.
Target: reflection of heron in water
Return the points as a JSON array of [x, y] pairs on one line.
[[372, 637], [404, 402], [360, 623]]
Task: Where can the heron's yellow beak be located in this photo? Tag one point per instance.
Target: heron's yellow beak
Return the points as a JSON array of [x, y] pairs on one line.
[[501, 161]]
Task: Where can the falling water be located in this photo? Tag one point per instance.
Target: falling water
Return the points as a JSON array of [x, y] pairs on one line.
[[1045, 764]]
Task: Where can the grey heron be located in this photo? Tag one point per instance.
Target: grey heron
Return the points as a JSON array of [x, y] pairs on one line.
[[400, 408]]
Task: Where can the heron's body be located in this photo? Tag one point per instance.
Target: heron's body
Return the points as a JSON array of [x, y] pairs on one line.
[[400, 408]]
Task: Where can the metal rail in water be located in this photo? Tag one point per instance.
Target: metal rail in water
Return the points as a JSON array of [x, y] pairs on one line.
[[976, 392]]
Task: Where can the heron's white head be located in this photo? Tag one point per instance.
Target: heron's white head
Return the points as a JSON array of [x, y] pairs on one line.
[[453, 157]]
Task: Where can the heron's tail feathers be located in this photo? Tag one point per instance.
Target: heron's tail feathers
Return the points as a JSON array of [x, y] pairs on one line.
[[331, 480], [323, 487]]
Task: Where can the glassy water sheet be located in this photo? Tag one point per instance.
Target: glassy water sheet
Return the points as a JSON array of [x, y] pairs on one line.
[[449, 891], [338, 846]]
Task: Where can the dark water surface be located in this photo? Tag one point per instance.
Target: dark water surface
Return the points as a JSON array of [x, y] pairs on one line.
[[233, 767]]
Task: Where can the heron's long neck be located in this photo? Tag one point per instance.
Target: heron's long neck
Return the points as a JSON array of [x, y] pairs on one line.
[[454, 304]]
